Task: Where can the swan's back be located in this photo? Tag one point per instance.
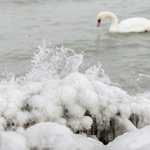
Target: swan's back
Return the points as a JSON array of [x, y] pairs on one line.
[[134, 25]]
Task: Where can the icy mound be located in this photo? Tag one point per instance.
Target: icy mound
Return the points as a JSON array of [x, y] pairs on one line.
[[85, 101], [52, 136], [135, 140], [83, 104], [13, 141], [47, 136], [58, 137]]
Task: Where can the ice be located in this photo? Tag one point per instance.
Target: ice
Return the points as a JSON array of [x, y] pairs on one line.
[[86, 122], [3, 124], [32, 88], [135, 140], [13, 141], [49, 135]]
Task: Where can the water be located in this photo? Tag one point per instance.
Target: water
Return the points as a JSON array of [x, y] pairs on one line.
[[24, 23]]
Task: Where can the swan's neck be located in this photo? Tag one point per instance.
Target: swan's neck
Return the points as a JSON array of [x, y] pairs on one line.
[[114, 20]]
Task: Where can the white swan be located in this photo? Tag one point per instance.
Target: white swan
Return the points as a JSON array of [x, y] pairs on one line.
[[128, 25]]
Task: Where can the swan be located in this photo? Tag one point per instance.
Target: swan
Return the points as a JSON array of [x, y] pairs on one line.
[[129, 25]]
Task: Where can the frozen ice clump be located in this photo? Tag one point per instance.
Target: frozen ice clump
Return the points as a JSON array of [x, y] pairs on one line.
[[89, 100], [6, 87], [127, 124], [103, 89], [75, 124], [3, 105], [124, 110], [42, 131], [50, 110], [86, 122], [13, 141], [15, 100], [48, 135], [16, 96], [78, 81], [135, 140], [22, 118], [58, 137], [76, 110], [33, 88], [67, 94], [3, 124]]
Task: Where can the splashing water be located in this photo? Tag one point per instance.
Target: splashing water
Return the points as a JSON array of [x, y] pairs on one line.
[[72, 65], [49, 63], [143, 75]]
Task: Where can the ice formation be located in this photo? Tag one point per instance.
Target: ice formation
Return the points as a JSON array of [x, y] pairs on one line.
[[135, 140], [55, 136], [56, 91], [11, 140], [48, 135]]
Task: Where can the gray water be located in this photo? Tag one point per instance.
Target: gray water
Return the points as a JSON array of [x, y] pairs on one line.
[[73, 23]]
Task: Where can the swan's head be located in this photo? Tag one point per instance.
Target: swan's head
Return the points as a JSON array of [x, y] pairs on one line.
[[103, 15], [99, 22], [100, 17]]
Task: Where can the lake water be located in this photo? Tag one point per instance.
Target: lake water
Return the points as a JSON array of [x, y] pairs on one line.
[[73, 24]]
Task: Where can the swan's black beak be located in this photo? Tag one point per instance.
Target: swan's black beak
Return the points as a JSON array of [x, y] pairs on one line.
[[99, 22]]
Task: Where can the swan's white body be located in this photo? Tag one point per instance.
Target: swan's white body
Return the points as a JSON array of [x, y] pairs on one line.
[[128, 25]]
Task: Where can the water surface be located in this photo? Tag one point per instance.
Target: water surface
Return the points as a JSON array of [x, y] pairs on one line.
[[72, 23]]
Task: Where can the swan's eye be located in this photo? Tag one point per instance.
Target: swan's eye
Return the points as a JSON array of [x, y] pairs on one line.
[[99, 20]]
